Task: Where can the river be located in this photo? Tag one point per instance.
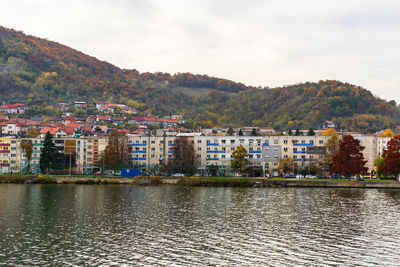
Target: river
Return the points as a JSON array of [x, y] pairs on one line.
[[122, 225]]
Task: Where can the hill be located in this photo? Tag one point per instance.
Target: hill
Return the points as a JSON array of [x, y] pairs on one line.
[[42, 73]]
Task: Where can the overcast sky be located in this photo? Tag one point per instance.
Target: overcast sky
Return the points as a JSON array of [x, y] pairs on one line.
[[268, 43]]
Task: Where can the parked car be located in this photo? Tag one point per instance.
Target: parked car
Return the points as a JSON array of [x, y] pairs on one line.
[[311, 176], [337, 176], [178, 175], [299, 176], [289, 176]]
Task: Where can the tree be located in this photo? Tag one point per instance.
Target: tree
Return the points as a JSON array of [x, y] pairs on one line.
[[311, 132], [286, 165], [387, 133], [240, 132], [183, 155], [27, 148], [240, 159], [332, 148], [290, 133], [116, 153], [329, 132], [213, 169], [391, 156], [379, 163], [254, 132], [230, 132], [297, 133], [32, 133], [50, 157], [349, 160]]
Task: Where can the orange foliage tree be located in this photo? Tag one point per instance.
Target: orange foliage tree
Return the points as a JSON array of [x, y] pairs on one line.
[[391, 157], [349, 160]]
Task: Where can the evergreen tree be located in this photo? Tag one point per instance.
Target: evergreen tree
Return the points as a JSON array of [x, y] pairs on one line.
[[297, 132], [230, 132], [311, 132], [240, 132], [254, 132], [49, 157], [290, 133]]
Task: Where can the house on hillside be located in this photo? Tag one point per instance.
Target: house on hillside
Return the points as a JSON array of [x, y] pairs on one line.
[[329, 124], [13, 108]]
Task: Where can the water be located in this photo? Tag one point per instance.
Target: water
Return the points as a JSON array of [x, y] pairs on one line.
[[125, 225]]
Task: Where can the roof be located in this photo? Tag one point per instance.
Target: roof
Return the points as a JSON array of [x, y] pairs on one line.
[[103, 117], [51, 130]]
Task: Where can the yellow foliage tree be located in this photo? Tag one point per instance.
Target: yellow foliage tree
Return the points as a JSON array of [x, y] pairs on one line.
[[330, 132], [387, 133]]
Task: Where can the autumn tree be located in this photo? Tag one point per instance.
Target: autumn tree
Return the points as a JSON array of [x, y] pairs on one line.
[[286, 165], [329, 132], [27, 149], [387, 133], [391, 156], [240, 159], [183, 155], [349, 160], [116, 154], [332, 148], [378, 163]]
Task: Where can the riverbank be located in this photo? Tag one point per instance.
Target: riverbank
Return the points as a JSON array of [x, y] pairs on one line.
[[199, 181]]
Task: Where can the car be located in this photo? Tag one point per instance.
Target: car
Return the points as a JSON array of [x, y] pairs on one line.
[[309, 176], [289, 176], [178, 175], [299, 176], [337, 176]]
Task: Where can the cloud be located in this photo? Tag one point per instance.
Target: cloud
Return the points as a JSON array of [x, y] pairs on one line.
[[268, 43]]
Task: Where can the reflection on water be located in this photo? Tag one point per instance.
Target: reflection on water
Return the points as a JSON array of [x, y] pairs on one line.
[[127, 225]]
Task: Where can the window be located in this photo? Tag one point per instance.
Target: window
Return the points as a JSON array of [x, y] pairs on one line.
[[199, 149], [285, 141], [223, 141], [223, 156], [232, 141], [276, 142], [321, 142], [285, 149], [199, 141], [153, 142], [276, 149]]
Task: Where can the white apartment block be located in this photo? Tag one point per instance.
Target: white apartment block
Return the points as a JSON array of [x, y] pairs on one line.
[[149, 152]]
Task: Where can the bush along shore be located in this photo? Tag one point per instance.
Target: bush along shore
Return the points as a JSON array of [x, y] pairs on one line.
[[200, 181]]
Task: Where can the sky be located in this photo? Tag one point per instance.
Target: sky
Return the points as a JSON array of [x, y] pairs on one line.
[[257, 42]]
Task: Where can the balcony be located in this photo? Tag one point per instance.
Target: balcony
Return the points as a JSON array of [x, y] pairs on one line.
[[212, 144], [138, 144], [299, 152], [139, 151], [213, 159], [265, 144], [255, 152], [137, 158], [298, 144], [216, 151]]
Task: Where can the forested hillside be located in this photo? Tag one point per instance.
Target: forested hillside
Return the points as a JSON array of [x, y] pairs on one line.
[[41, 73]]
